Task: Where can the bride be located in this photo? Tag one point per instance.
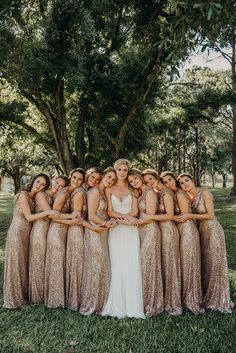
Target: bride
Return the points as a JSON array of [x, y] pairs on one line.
[[125, 295]]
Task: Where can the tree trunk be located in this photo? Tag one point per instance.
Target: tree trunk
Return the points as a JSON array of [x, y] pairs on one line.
[[233, 71], [213, 178], [224, 185], [184, 152], [16, 179], [79, 140], [197, 146]]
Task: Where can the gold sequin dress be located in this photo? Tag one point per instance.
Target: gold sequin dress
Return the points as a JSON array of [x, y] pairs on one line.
[[150, 236], [190, 259], [170, 261], [55, 266], [96, 271], [37, 254], [15, 288], [215, 279], [74, 257]]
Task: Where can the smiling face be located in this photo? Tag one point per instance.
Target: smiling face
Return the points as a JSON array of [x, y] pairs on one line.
[[150, 180], [122, 171], [109, 179], [39, 184], [135, 181], [186, 183], [169, 182], [58, 184], [76, 180], [93, 179]]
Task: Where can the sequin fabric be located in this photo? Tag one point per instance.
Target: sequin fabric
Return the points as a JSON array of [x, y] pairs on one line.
[[15, 288], [150, 236], [190, 259], [170, 261], [215, 279], [96, 273], [74, 257], [37, 254], [55, 267]]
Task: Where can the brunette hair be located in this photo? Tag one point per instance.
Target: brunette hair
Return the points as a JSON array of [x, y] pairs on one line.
[[187, 175], [152, 172], [79, 170], [168, 172], [28, 187], [91, 171], [64, 177]]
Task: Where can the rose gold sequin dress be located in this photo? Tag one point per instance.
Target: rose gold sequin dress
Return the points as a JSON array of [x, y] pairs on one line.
[[55, 267], [215, 279], [190, 259], [74, 258], [37, 254], [150, 236], [15, 290], [170, 261], [96, 272]]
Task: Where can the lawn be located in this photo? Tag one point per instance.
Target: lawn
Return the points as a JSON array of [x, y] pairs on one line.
[[41, 330]]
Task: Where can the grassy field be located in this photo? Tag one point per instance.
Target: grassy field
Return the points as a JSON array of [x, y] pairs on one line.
[[41, 330]]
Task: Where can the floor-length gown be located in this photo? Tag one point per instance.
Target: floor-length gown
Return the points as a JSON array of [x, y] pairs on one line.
[[37, 254], [74, 257], [215, 278], [96, 267], [54, 281], [125, 294], [150, 236], [170, 261], [15, 288], [190, 260]]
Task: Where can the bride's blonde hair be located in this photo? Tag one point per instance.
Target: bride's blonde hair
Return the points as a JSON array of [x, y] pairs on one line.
[[120, 162]]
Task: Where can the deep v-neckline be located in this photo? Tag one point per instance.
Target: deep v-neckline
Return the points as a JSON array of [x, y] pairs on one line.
[[121, 200]]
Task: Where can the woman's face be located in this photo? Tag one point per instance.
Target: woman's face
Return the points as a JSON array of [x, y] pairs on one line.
[[122, 171], [76, 180], [169, 182], [109, 179], [135, 181], [94, 179], [39, 184], [150, 180], [58, 184], [186, 183]]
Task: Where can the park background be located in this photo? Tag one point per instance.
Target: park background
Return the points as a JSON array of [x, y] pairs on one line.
[[86, 82]]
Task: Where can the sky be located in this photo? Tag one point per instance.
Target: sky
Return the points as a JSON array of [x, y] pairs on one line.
[[214, 61]]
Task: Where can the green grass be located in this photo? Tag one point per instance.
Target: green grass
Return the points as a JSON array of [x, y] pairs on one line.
[[41, 330]]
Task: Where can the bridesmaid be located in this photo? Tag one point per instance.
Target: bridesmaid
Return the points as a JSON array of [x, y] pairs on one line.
[[93, 177], [38, 240], [150, 246], [190, 253], [170, 243], [17, 244], [216, 292], [75, 248], [96, 271], [55, 270]]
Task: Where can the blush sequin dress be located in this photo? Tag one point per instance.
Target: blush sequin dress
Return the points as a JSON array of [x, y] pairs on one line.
[[190, 259], [150, 236], [37, 254], [170, 260], [15, 288], [55, 266], [215, 278], [96, 269], [75, 257]]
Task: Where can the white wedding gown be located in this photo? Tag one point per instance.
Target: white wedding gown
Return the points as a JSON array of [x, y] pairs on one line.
[[125, 294]]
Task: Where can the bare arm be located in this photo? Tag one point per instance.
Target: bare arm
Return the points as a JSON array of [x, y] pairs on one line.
[[208, 200], [93, 202], [24, 205], [151, 205], [169, 207]]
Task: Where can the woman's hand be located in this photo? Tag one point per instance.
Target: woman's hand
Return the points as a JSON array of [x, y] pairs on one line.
[[111, 223], [182, 218], [53, 214], [145, 217]]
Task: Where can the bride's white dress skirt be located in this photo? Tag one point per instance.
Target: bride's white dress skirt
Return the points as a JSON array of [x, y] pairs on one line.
[[125, 295]]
